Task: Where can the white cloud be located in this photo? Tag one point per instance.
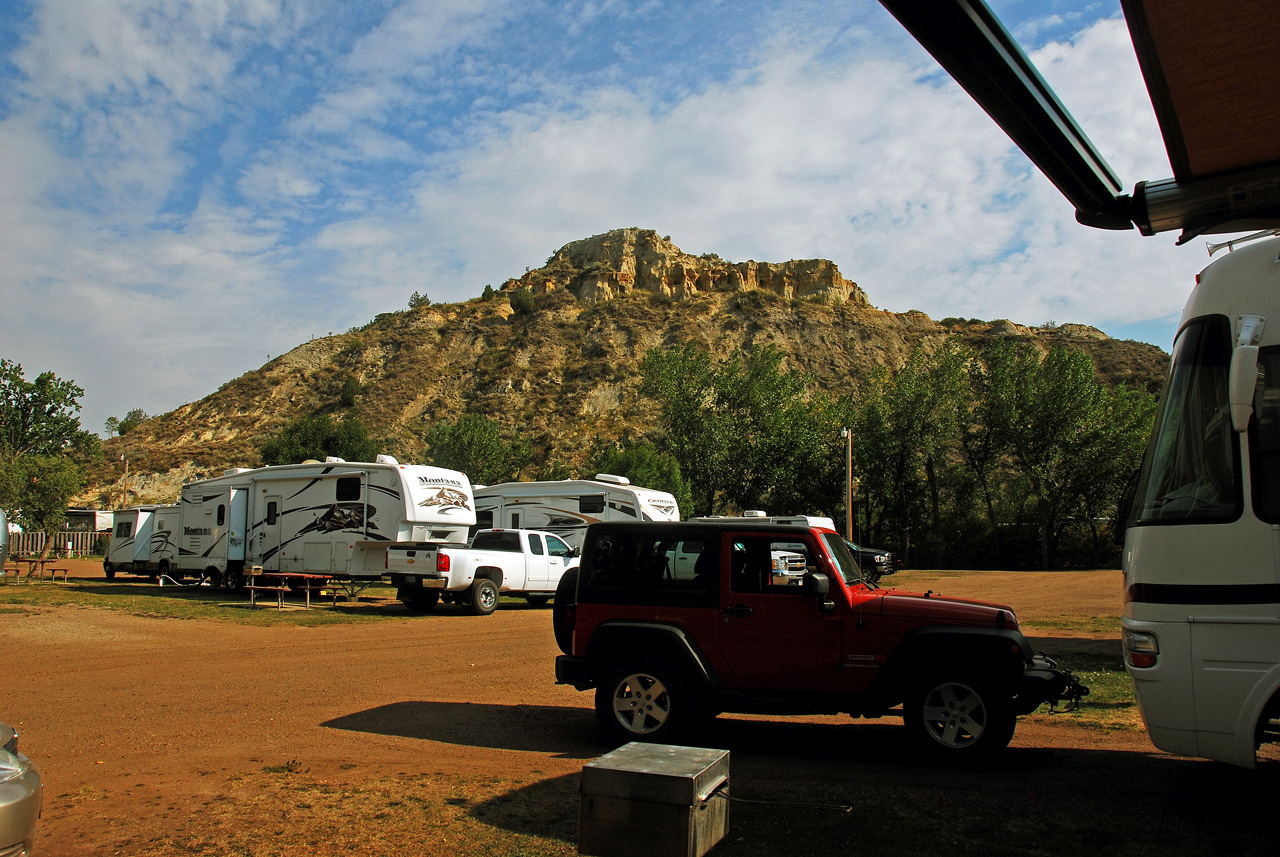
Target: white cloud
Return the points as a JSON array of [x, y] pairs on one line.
[[185, 189]]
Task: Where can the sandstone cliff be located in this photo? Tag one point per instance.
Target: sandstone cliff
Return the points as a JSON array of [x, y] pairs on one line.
[[566, 371]]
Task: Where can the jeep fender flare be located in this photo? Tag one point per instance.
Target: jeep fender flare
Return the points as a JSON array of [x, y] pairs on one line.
[[615, 639], [1002, 653]]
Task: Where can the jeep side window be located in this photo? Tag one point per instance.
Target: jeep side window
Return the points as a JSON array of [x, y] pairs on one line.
[[628, 561], [760, 564]]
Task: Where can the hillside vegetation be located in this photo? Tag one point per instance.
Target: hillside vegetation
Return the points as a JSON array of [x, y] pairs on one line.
[[555, 355]]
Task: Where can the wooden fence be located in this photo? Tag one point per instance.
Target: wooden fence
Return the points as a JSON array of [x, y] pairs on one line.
[[81, 544]]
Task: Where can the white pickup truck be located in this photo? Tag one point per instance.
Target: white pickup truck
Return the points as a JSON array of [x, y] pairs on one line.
[[520, 562]]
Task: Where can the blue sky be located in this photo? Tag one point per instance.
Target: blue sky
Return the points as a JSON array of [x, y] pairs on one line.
[[187, 188]]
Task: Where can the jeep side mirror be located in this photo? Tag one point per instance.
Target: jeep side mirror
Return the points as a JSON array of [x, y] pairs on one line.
[[818, 585]]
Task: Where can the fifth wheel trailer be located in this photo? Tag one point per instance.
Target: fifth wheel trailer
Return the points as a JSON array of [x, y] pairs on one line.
[[334, 517], [567, 507]]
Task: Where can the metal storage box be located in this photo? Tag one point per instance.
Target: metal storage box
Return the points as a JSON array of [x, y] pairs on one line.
[[653, 800]]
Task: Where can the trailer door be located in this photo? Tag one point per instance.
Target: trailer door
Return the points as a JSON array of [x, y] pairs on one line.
[[268, 547]]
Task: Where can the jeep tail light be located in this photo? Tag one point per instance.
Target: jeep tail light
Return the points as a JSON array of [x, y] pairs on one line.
[[1140, 650], [442, 562]]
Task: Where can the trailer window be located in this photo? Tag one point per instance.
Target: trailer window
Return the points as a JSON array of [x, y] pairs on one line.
[[222, 514], [1264, 438], [348, 488], [273, 512], [124, 529], [1192, 469], [592, 504]]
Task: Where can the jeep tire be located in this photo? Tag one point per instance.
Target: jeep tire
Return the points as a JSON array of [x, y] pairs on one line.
[[959, 714], [645, 699]]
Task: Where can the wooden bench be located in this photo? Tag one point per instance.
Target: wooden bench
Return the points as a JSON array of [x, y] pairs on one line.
[[278, 590], [53, 574]]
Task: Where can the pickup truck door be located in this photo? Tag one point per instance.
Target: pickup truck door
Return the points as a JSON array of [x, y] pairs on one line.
[[536, 570], [772, 635]]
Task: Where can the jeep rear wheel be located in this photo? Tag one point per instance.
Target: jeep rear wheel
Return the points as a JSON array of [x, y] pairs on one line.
[[962, 714], [645, 701]]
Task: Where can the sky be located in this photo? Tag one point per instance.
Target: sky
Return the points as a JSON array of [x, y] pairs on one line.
[[190, 187]]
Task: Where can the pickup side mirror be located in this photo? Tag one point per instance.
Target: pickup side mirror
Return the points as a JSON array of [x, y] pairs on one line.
[[818, 585]]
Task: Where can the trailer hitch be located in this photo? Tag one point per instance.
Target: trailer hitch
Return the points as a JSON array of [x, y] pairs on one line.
[[1071, 693]]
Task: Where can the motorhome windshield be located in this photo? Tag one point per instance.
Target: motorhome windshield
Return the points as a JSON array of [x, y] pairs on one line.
[[1191, 473]]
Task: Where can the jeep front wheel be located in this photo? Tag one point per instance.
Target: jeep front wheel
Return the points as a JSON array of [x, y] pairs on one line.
[[962, 714], [644, 701]]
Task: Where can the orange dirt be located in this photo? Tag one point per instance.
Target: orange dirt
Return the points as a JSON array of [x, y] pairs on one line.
[[143, 727]]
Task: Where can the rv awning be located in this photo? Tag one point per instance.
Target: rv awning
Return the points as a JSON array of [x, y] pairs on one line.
[[1214, 79]]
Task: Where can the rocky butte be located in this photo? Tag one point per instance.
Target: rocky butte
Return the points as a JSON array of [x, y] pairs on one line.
[[564, 371]]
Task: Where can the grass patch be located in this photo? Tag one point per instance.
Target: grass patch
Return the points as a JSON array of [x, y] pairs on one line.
[[191, 602]]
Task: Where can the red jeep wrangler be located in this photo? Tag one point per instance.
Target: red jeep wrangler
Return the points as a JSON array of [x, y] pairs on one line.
[[673, 623]]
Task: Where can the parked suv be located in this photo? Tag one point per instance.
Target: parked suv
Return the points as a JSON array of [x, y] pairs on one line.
[[666, 642]]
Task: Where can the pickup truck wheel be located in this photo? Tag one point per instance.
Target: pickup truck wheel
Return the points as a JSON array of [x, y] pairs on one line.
[[417, 599], [645, 701], [563, 608], [484, 597], [960, 714]]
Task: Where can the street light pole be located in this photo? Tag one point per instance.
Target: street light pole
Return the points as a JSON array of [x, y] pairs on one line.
[[848, 482]]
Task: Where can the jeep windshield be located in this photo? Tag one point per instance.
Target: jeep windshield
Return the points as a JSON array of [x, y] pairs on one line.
[[845, 563]]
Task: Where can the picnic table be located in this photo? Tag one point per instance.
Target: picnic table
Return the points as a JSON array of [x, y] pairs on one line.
[[288, 581]]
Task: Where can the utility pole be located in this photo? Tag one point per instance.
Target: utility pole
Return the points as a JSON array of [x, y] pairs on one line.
[[848, 482]]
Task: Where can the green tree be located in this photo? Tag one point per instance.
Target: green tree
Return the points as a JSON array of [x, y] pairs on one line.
[[131, 421], [1071, 438], [643, 464], [42, 447], [417, 300], [522, 301], [317, 437], [475, 445], [745, 433], [905, 426]]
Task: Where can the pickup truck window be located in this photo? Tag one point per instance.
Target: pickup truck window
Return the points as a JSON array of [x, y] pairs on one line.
[[535, 544], [495, 541], [556, 547]]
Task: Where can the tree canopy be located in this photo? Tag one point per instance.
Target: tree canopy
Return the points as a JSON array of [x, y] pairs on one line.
[[42, 447], [475, 445], [317, 437]]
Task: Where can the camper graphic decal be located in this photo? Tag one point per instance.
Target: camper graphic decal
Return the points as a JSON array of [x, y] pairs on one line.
[[339, 517], [447, 500]]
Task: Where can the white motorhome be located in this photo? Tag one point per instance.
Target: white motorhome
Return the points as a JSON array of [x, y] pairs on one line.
[[333, 517], [144, 540], [568, 506], [1202, 550]]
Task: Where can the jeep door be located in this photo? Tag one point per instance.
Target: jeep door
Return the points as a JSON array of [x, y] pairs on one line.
[[773, 636]]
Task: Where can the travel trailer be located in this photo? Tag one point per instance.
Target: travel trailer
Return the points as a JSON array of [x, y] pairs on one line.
[[143, 541], [568, 506], [333, 517]]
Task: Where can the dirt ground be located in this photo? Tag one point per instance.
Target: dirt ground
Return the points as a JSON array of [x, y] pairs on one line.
[[161, 736]]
